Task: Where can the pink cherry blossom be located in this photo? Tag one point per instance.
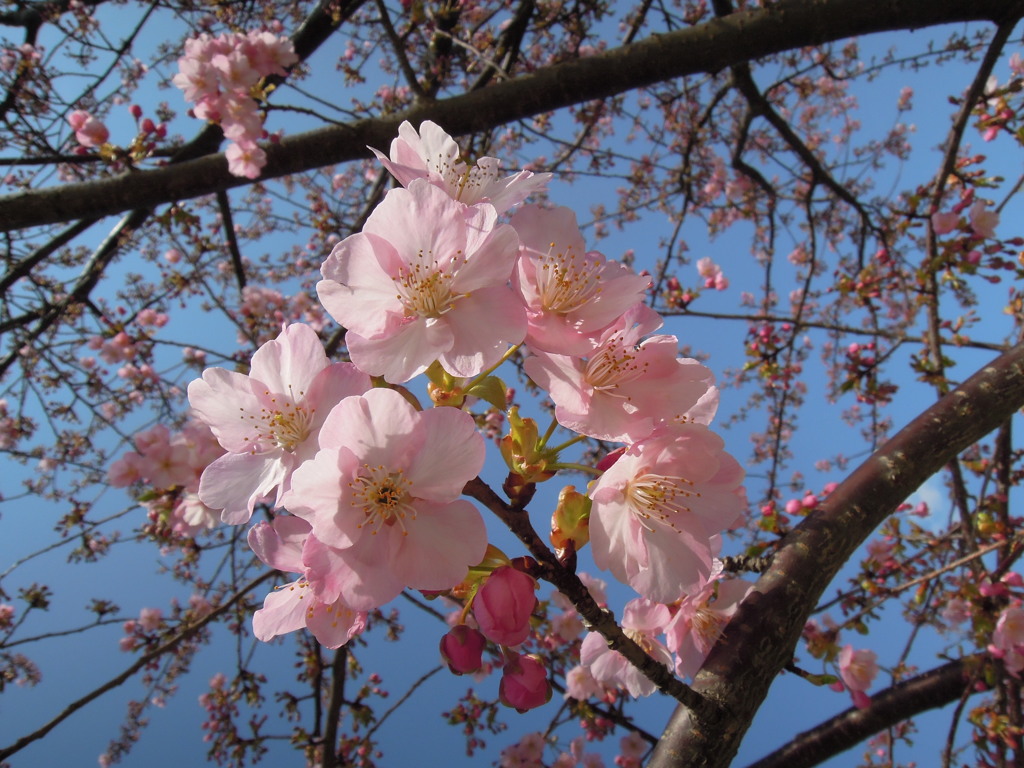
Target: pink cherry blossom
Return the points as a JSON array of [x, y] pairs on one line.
[[983, 220], [433, 155], [642, 621], [268, 53], [858, 669], [235, 72], [701, 618], [524, 683], [304, 602], [626, 385], [245, 158], [1008, 638], [220, 76], [528, 752], [504, 604], [150, 619], [268, 421], [384, 489], [89, 132], [580, 684], [570, 294], [658, 510], [944, 223], [426, 280], [712, 274]]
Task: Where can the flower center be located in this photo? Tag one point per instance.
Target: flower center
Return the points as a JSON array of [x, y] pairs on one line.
[[658, 498], [707, 626], [565, 281], [425, 288], [384, 498], [613, 365], [283, 424], [641, 638]]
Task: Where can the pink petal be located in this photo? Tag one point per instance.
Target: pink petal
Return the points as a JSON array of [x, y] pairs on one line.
[[456, 455], [284, 610], [407, 353], [224, 400], [279, 545], [236, 481], [443, 541], [483, 326], [288, 364], [333, 625]]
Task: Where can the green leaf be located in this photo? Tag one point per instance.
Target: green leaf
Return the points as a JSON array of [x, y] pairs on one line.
[[492, 389]]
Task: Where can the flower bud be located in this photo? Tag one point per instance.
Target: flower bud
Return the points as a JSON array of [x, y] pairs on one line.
[[570, 522], [462, 649], [524, 683], [521, 451], [504, 604]]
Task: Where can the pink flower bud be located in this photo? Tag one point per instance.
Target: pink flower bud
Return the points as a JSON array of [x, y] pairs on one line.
[[462, 649], [136, 111], [524, 683], [503, 606], [610, 458]]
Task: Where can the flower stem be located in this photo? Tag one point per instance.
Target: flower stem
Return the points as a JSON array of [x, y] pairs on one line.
[[484, 374], [567, 443]]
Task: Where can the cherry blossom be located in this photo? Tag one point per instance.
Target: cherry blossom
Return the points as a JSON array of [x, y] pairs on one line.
[[268, 421], [658, 510], [701, 618], [712, 274], [433, 155], [626, 385], [89, 132], [384, 489], [1008, 638], [245, 158], [220, 75], [642, 621], [570, 294], [858, 669], [281, 545], [426, 280], [983, 220]]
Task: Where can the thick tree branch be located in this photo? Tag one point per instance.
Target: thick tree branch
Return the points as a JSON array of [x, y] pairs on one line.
[[709, 47], [767, 627], [933, 689]]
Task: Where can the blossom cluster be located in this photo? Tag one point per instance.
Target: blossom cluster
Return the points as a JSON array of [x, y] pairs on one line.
[[171, 464], [221, 76], [446, 280]]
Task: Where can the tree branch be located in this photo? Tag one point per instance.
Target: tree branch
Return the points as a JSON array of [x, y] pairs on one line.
[[709, 47], [141, 663], [933, 689], [767, 627]]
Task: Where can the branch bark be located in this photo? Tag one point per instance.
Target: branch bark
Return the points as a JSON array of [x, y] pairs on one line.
[[709, 47], [933, 689], [763, 633]]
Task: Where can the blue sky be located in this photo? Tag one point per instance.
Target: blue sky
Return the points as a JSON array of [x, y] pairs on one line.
[[133, 575]]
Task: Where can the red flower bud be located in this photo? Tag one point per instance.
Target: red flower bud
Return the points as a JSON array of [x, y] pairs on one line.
[[524, 683], [462, 649], [503, 606]]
